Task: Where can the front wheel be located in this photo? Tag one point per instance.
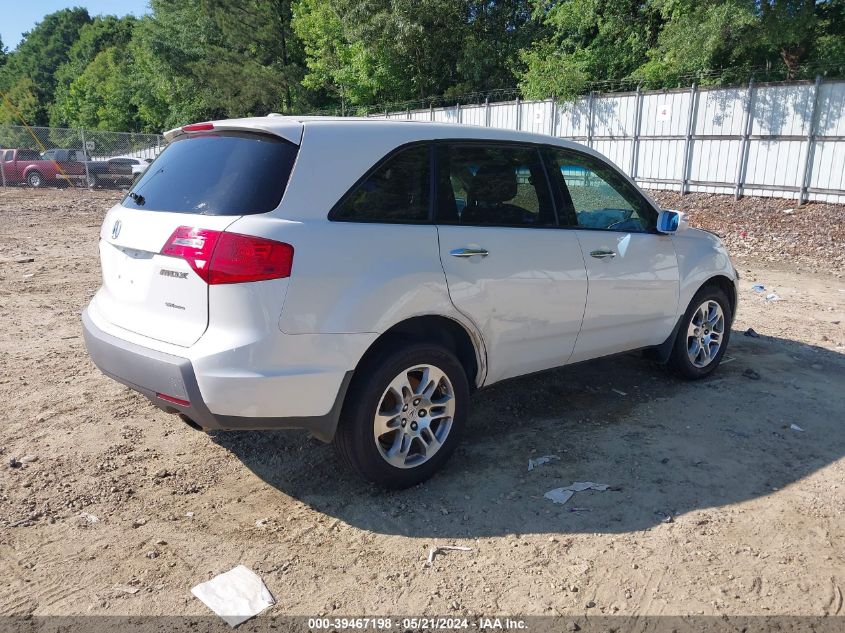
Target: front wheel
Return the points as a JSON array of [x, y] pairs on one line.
[[92, 181], [703, 336], [404, 414]]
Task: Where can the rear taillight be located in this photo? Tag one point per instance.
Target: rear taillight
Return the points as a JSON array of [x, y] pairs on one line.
[[230, 258]]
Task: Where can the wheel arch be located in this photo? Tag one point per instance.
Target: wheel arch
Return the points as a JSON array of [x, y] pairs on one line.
[[727, 286], [661, 353], [452, 334]]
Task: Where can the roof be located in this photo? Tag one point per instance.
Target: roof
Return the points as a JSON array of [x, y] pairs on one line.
[[290, 127]]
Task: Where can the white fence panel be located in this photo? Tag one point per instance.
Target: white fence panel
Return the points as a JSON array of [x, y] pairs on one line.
[[503, 115], [573, 119], [784, 139], [720, 111], [614, 115]]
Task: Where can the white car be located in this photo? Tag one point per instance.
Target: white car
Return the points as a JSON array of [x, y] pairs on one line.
[[360, 278], [136, 165]]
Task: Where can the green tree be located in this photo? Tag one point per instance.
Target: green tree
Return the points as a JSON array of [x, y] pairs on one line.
[[587, 41], [366, 51], [102, 96], [19, 103], [258, 67], [100, 34], [205, 59], [713, 42], [40, 54]]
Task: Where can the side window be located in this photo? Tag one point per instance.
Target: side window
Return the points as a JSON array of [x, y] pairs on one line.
[[492, 185], [397, 191], [595, 196]]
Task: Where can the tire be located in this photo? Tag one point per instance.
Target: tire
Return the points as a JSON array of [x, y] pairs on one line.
[[399, 457], [34, 179], [92, 181], [694, 360]]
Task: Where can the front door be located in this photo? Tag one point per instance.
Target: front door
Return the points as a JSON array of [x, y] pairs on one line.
[[520, 279], [632, 271]]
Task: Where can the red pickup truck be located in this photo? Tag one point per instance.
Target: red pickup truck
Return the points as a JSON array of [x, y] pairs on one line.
[[27, 165]]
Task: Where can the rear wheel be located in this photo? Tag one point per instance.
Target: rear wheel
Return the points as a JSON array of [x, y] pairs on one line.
[[703, 335], [91, 180], [404, 414], [35, 179]]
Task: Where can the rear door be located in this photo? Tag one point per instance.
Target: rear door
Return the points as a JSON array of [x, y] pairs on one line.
[[632, 270], [509, 268], [200, 182]]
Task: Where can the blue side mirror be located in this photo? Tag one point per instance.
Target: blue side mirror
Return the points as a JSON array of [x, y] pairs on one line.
[[669, 221]]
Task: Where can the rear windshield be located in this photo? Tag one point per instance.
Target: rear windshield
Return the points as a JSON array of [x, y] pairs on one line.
[[224, 173]]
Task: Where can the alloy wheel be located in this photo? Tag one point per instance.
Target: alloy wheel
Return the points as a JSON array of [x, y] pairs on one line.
[[414, 416], [705, 333]]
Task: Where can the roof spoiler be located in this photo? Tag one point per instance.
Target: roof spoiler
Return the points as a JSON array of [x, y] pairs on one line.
[[283, 127]]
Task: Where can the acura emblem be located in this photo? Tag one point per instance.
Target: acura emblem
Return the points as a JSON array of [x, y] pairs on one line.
[[115, 230]]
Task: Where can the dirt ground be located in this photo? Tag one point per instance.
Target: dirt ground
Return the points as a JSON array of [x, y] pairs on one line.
[[717, 505]]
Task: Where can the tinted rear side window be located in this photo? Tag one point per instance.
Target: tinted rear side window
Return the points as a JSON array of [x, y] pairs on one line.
[[226, 173], [396, 191]]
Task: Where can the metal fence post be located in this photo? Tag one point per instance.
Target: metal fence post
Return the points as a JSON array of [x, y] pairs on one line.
[[458, 112], [431, 110], [85, 154], [692, 113], [590, 120], [2, 171], [487, 111], [409, 114], [811, 143], [747, 122], [518, 114], [635, 142], [553, 125]]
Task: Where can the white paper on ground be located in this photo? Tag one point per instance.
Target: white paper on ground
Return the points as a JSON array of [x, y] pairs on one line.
[[581, 486], [235, 596], [562, 495], [545, 459], [559, 495]]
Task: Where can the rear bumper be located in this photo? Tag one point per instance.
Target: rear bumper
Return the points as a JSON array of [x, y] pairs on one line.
[[151, 372]]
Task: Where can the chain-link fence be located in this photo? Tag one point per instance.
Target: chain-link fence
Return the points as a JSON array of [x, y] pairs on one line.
[[49, 156]]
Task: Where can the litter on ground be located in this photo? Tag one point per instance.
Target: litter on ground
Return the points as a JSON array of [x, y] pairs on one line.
[[545, 459], [88, 517], [773, 297], [621, 393], [236, 595], [758, 288], [562, 495], [750, 332], [438, 549], [795, 427]]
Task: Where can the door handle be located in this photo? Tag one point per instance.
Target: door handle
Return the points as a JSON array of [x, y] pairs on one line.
[[469, 252], [603, 254]]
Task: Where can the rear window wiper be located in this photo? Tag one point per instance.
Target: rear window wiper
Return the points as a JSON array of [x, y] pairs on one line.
[[138, 198]]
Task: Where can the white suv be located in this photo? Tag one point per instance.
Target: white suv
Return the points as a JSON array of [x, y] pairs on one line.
[[360, 278]]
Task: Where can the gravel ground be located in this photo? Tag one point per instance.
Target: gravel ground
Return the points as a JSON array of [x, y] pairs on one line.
[[769, 230], [717, 505]]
